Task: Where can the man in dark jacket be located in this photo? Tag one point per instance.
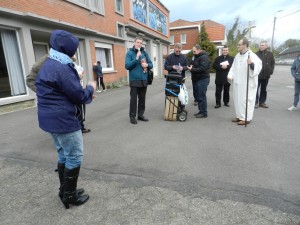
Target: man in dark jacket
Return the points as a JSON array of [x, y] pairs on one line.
[[268, 64], [60, 95], [222, 65], [176, 62], [295, 70], [200, 75], [138, 63], [97, 68]]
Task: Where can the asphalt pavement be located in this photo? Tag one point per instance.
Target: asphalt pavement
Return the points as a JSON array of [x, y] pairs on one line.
[[201, 171]]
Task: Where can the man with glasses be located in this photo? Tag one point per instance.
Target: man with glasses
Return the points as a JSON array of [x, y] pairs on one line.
[[268, 64], [222, 65], [246, 63]]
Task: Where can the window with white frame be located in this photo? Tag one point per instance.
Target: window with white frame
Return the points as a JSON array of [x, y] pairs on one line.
[[83, 1], [172, 39], [97, 6], [93, 5], [40, 49], [183, 38], [105, 56], [119, 6], [121, 30], [12, 78]]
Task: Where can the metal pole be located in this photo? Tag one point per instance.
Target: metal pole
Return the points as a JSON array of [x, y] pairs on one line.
[[272, 43], [247, 90]]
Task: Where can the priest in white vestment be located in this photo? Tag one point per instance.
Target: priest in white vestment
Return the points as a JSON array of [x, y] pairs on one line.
[[237, 76]]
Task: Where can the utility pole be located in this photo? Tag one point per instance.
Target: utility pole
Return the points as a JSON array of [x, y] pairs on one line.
[[250, 26], [272, 42]]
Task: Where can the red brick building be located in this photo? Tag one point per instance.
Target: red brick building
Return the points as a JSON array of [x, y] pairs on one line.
[[106, 30], [186, 33]]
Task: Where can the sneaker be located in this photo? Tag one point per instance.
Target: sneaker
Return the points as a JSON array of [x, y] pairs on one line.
[[104, 90], [256, 106], [263, 105], [200, 115], [98, 91], [292, 108]]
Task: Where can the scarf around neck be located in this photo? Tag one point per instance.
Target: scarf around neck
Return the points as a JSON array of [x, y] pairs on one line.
[[60, 57]]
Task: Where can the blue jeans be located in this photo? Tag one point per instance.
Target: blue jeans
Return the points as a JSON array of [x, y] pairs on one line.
[[69, 148], [200, 87], [297, 92]]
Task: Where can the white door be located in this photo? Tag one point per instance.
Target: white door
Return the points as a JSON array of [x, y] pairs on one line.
[[154, 59]]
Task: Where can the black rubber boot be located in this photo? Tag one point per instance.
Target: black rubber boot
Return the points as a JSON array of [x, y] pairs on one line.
[[61, 175], [70, 195]]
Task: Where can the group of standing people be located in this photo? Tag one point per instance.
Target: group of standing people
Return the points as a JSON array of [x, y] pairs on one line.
[[61, 96], [199, 67], [229, 70]]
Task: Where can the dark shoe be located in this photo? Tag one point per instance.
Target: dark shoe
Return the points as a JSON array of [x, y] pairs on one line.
[[61, 175], [133, 120], [217, 106], [242, 122], [195, 103], [200, 115], [263, 105], [197, 113], [70, 184], [142, 118], [235, 120], [84, 130], [226, 104]]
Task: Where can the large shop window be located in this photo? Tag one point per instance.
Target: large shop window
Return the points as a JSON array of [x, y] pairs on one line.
[[147, 13], [12, 79], [105, 56]]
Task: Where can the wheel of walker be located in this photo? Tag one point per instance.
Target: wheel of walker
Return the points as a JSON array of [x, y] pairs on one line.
[[182, 116]]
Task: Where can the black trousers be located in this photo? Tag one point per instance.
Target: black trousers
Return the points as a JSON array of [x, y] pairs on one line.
[[261, 94], [100, 82], [137, 101], [194, 91], [218, 94], [82, 116]]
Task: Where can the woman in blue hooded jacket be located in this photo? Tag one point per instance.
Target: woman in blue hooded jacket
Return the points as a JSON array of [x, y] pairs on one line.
[[60, 95]]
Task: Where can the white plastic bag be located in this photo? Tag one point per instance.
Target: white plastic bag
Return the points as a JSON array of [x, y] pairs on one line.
[[183, 95]]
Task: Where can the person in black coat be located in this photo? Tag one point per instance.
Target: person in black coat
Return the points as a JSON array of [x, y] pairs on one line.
[[268, 65], [222, 65], [200, 77], [176, 62]]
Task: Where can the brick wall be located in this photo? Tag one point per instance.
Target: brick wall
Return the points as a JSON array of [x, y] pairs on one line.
[[191, 37], [68, 12], [215, 33], [74, 14]]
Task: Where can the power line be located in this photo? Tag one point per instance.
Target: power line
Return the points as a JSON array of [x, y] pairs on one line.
[[288, 14]]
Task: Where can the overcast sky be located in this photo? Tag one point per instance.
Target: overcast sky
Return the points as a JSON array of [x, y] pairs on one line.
[[260, 12]]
